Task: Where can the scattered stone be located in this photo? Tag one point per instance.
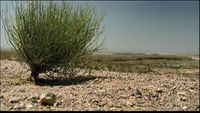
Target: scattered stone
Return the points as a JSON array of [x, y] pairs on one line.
[[197, 108], [173, 88], [129, 103], [23, 98], [29, 106], [181, 93], [185, 107], [136, 92], [3, 90], [139, 103], [192, 90], [47, 99], [19, 106], [60, 87], [14, 100], [182, 98], [12, 91], [34, 98], [6, 67], [159, 90], [155, 96], [1, 96], [28, 73], [59, 95], [57, 104], [11, 107]]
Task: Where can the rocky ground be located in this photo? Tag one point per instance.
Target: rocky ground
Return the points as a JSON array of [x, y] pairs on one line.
[[100, 90]]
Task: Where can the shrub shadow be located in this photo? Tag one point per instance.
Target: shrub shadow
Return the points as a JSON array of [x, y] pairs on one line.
[[64, 81]]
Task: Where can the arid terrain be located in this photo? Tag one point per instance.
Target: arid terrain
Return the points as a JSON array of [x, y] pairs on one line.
[[101, 90]]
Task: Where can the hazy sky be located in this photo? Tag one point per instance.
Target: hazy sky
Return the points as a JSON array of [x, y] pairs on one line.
[[146, 26]]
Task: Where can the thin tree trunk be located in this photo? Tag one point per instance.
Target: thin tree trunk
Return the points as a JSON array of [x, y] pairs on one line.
[[34, 75], [35, 72]]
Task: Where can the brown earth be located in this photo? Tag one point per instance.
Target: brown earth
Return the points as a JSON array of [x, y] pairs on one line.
[[100, 90]]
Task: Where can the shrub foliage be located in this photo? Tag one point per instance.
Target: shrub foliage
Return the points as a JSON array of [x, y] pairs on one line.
[[47, 35]]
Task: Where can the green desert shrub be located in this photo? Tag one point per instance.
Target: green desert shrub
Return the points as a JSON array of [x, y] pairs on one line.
[[50, 36]]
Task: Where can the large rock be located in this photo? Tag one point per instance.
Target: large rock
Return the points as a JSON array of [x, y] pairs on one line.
[[47, 99]]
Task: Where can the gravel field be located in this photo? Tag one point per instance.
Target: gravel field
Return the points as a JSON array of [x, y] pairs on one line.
[[98, 91]]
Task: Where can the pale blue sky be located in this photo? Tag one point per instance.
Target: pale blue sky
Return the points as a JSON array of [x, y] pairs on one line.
[[146, 26]]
